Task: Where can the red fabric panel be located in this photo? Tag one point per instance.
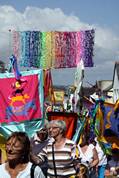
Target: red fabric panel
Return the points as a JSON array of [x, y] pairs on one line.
[[19, 100]]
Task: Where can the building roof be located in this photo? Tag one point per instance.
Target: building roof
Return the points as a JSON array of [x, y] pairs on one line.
[[104, 85], [116, 69]]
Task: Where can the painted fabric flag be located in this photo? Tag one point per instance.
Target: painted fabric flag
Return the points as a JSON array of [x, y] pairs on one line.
[[105, 124], [111, 120], [20, 99], [54, 49]]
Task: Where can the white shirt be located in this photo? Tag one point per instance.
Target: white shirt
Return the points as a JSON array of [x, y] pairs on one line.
[[22, 174], [102, 157], [87, 156]]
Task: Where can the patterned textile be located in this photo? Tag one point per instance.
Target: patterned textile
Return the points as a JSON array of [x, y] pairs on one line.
[[14, 65], [54, 49], [20, 99], [16, 44], [111, 119], [105, 124], [86, 47], [63, 159]]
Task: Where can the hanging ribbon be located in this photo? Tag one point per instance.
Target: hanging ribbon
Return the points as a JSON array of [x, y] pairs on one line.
[[13, 60]]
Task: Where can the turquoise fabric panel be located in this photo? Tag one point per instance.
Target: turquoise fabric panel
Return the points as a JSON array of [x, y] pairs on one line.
[[30, 127]]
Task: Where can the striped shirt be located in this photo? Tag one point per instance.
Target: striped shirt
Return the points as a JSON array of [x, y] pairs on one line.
[[64, 157]]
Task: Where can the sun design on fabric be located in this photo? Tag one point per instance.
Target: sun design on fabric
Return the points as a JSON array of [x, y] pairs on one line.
[[18, 99]]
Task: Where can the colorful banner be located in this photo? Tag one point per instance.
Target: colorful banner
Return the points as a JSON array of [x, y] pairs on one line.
[[59, 96], [111, 120], [105, 124], [54, 49], [20, 99]]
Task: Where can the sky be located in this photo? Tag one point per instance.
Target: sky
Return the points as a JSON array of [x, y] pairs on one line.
[[66, 15]]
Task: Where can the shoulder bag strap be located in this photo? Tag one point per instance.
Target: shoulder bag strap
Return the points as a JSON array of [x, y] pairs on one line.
[[53, 156], [32, 170]]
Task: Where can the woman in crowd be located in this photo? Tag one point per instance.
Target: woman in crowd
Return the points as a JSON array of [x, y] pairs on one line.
[[88, 155], [18, 153], [83, 171], [38, 142], [101, 167], [60, 151]]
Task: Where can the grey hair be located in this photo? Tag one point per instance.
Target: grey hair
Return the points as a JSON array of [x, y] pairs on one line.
[[60, 123]]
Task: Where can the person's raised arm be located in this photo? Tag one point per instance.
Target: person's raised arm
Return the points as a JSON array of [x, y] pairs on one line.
[[95, 160]]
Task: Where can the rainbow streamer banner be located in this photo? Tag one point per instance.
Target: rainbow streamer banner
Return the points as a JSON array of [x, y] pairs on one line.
[[21, 99], [54, 49]]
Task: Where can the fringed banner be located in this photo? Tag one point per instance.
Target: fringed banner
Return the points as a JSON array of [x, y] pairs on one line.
[[54, 49]]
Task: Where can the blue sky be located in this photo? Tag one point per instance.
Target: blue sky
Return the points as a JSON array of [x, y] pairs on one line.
[[72, 15], [102, 12]]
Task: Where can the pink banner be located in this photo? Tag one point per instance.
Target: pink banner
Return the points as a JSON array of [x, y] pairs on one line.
[[19, 99]]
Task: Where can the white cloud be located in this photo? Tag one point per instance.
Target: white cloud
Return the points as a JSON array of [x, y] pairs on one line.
[[33, 18]]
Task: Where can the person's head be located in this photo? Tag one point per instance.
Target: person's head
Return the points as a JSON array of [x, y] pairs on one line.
[[57, 127], [42, 134], [115, 154], [83, 171], [17, 149], [85, 139]]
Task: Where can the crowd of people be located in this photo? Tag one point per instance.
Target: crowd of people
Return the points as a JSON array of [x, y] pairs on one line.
[[50, 154]]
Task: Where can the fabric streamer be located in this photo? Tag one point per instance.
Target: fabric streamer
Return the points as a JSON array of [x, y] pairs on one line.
[[54, 49], [13, 60]]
